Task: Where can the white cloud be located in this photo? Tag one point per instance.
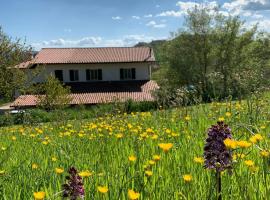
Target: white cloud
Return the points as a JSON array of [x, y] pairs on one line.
[[155, 25], [263, 24], [170, 13], [148, 16], [246, 7], [126, 40], [184, 7], [116, 18], [136, 17]]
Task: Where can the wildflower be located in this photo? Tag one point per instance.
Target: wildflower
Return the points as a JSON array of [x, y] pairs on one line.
[[228, 114], [85, 173], [148, 173], [198, 160], [133, 195], [165, 146], [34, 166], [119, 135], [151, 162], [230, 144], [39, 195], [265, 153], [156, 157], [45, 142], [74, 186], [59, 170], [255, 138], [216, 155], [187, 177], [103, 189], [221, 119], [54, 159], [3, 148], [13, 138], [243, 144], [132, 158], [249, 163], [187, 118], [2, 172]]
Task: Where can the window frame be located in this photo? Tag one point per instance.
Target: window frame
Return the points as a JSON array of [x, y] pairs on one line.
[[128, 73], [93, 74], [75, 76]]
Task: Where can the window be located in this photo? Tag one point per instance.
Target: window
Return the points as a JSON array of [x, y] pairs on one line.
[[59, 75], [93, 74], [74, 75], [128, 74]]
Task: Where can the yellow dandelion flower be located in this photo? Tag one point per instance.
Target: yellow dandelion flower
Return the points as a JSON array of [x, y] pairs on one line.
[[34, 166], [133, 195], [2, 172], [59, 170], [221, 119], [187, 118], [132, 158], [45, 142], [85, 173], [103, 189], [249, 163], [228, 114], [54, 159], [230, 144], [119, 135], [165, 146], [151, 162], [148, 173], [39, 195], [199, 160], [265, 153], [154, 137], [243, 144], [187, 177], [156, 157], [13, 138]]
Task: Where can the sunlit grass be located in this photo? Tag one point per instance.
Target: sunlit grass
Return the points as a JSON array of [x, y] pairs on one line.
[[158, 155]]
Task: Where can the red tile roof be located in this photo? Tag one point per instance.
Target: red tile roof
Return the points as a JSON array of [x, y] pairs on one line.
[[100, 93], [92, 55]]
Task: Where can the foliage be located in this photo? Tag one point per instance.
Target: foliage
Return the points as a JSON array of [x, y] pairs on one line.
[[53, 95], [153, 155], [12, 53], [217, 56]]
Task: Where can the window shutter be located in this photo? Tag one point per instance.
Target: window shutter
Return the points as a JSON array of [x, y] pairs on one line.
[[121, 74], [133, 71], [99, 74]]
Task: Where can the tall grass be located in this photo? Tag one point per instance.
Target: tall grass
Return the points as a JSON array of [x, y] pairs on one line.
[[103, 146]]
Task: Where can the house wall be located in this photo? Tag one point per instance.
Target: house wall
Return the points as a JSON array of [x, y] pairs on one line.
[[110, 72]]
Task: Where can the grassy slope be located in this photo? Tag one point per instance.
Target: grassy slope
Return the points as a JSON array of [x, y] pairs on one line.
[[103, 146]]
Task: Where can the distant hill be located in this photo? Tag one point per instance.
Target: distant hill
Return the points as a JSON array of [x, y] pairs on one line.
[[154, 44]]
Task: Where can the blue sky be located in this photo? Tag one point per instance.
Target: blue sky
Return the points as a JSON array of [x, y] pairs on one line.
[[89, 23]]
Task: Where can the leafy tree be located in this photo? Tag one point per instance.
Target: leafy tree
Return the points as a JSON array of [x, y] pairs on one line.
[[52, 94], [217, 56], [12, 52]]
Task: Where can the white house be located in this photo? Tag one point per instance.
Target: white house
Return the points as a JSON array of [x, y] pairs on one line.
[[96, 75]]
